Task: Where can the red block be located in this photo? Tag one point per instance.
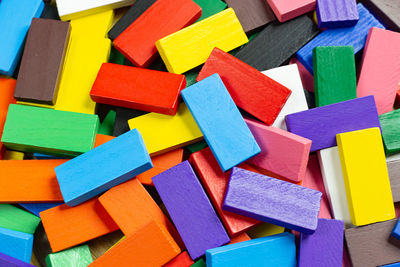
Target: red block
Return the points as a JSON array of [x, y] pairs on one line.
[[182, 260], [137, 88], [251, 90], [163, 18]]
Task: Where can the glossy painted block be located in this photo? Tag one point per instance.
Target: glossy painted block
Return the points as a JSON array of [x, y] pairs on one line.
[[16, 244], [336, 13]]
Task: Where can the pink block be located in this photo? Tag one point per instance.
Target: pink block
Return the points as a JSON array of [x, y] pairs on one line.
[[306, 77], [288, 9], [380, 70], [282, 153]]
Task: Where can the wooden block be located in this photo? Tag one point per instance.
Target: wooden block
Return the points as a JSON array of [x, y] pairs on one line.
[[13, 155], [281, 251], [190, 209], [33, 129], [96, 25], [380, 69], [36, 208], [196, 146], [77, 256], [137, 42], [299, 204], [17, 219], [16, 244], [80, 179], [29, 181], [286, 9], [121, 119], [50, 12], [329, 16], [306, 77], [147, 90], [396, 231], [390, 129], [6, 98], [210, 7], [387, 11], [70, 226], [334, 74], [107, 125], [282, 153], [263, 99], [394, 176], [370, 200], [6, 260], [337, 118], [182, 260], [324, 247], [152, 244], [264, 229], [162, 133], [15, 19], [350, 36], [275, 44], [199, 263], [239, 238]]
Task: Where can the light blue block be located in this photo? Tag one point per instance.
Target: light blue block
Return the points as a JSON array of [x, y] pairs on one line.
[[36, 208], [103, 167], [397, 264], [16, 244], [15, 20], [355, 36], [220, 121], [270, 251]]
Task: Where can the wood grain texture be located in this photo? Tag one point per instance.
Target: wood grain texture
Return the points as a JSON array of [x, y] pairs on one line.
[[337, 13], [6, 260], [182, 260], [17, 219], [16, 244], [390, 130], [286, 9], [121, 119], [77, 256], [394, 176], [388, 11]]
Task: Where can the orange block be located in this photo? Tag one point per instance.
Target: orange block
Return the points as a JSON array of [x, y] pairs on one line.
[[29, 181], [240, 238], [70, 226], [101, 139], [7, 87], [182, 260], [150, 246]]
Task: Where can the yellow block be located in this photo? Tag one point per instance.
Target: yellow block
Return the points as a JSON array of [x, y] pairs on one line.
[[365, 176], [264, 229], [162, 133], [13, 155], [96, 25], [35, 104], [191, 46]]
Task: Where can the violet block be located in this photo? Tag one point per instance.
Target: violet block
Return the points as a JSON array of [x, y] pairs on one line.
[[337, 13], [6, 260]]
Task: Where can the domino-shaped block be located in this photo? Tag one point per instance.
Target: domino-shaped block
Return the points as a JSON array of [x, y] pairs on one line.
[[164, 17], [350, 36], [386, 11], [33, 129], [396, 231], [16, 244], [190, 209], [380, 69], [324, 247], [210, 7], [36, 208], [96, 25], [264, 229], [16, 219], [89, 220], [390, 130], [286, 9], [220, 121], [363, 159], [278, 202], [306, 77], [81, 178], [182, 260], [77, 256], [6, 260], [337, 13], [191, 46], [7, 87], [199, 263], [321, 125], [394, 176], [262, 97], [334, 74], [15, 19], [147, 90], [13, 155]]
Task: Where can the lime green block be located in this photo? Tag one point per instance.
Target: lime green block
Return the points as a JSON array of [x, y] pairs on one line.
[[107, 126], [76, 257], [17, 219], [116, 57], [196, 146], [210, 7], [199, 263]]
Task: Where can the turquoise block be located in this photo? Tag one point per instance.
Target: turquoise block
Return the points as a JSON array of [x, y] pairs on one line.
[[16, 244]]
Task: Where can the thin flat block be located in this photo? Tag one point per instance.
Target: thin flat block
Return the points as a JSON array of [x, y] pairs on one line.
[[77, 256], [321, 125], [191, 46], [182, 260], [287, 9], [220, 121], [96, 25], [17, 219], [7, 87], [190, 209], [251, 90], [390, 130], [388, 11], [396, 231], [6, 260], [36, 208], [336, 13], [210, 7], [273, 201], [16, 244], [394, 176]]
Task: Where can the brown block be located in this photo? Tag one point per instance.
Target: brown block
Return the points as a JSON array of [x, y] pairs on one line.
[[394, 176]]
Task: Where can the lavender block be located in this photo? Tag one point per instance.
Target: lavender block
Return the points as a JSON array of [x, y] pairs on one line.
[[271, 200], [190, 209], [321, 125], [324, 247], [8, 261], [336, 13]]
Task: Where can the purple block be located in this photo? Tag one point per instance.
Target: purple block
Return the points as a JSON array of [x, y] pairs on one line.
[[271, 200], [190, 209], [8, 261], [337, 13], [324, 247], [321, 124]]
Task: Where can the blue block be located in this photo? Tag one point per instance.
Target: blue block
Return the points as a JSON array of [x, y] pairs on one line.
[[397, 264], [16, 244], [396, 230], [220, 121], [102, 168], [355, 36], [36, 208], [270, 251], [15, 20], [45, 156]]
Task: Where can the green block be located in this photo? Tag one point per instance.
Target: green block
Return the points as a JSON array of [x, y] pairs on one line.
[[210, 7], [390, 125], [334, 74], [76, 257], [199, 263], [191, 77], [116, 57], [196, 146], [17, 219], [107, 126], [48, 131]]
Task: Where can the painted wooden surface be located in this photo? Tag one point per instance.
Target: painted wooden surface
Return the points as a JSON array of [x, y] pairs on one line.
[[337, 13], [390, 130], [76, 256], [16, 244], [286, 9], [17, 219]]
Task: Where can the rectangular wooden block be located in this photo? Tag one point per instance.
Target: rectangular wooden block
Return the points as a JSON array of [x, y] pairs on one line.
[[77, 256], [277, 202], [6, 260], [390, 130], [220, 121], [334, 74], [394, 176], [16, 244], [336, 13], [17, 219], [36, 208], [191, 46], [387, 11], [251, 90], [7, 87], [337, 118], [164, 17], [81, 179], [96, 25], [281, 251], [396, 231], [363, 159], [15, 19], [210, 7], [42, 62], [33, 129], [287, 9], [147, 90], [190, 209], [350, 36], [380, 69], [182, 260], [122, 115]]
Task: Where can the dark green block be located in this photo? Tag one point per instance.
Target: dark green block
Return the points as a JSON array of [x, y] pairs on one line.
[[107, 126], [210, 7], [196, 146], [77, 257], [116, 57], [199, 263], [390, 124], [17, 219]]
